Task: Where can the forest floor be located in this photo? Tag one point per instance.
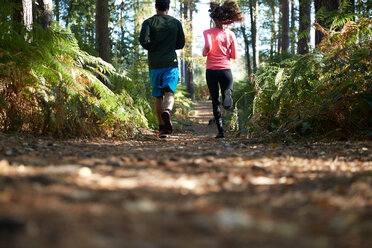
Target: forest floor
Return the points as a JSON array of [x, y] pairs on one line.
[[187, 191]]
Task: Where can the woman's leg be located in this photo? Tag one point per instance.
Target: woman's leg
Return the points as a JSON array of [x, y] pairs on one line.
[[212, 82], [226, 82]]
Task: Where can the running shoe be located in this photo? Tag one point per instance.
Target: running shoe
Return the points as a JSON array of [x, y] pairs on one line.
[[168, 128], [220, 136], [162, 135], [228, 101]]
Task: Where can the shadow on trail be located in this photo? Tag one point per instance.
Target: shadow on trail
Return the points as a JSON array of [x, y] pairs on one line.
[[184, 192]]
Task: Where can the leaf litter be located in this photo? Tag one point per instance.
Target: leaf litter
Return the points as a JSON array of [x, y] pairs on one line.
[[187, 191]]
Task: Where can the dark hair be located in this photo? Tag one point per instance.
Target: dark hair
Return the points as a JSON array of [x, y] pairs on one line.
[[162, 5], [226, 13]]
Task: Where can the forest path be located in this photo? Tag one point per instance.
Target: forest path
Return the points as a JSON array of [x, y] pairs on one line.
[[188, 191]]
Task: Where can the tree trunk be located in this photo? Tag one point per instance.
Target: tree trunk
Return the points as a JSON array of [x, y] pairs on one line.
[[253, 7], [285, 26], [102, 29], [328, 5], [246, 46], [188, 9], [304, 27], [27, 14], [69, 10], [17, 16], [57, 10], [44, 13], [293, 28], [280, 28], [273, 31]]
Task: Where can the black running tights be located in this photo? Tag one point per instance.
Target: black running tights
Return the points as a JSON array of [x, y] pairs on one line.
[[215, 80]]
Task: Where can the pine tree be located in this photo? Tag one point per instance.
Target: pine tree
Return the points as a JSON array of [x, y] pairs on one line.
[[285, 26], [102, 29], [304, 27]]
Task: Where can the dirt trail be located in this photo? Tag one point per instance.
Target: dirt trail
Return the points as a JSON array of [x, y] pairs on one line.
[[188, 191]]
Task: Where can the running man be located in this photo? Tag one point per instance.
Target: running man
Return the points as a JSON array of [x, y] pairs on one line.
[[161, 35]]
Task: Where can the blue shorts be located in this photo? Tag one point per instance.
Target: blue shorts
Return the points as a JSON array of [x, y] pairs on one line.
[[163, 79]]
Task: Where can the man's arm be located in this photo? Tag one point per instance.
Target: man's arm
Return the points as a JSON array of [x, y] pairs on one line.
[[144, 38], [180, 43]]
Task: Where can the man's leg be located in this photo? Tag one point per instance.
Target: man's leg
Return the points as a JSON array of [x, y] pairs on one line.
[[168, 103], [159, 109]]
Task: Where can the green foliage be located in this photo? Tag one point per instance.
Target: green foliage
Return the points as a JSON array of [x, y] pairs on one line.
[[327, 89], [49, 85]]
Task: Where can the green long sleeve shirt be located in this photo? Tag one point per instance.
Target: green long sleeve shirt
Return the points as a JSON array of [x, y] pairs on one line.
[[162, 35]]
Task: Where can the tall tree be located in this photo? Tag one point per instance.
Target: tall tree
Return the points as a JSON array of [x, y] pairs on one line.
[[44, 17], [285, 26], [253, 6], [102, 29], [273, 40], [57, 10], [293, 27], [303, 45], [327, 6], [27, 14], [17, 16], [279, 47], [188, 9], [246, 48]]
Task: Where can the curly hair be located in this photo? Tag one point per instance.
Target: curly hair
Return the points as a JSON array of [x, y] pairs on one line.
[[226, 13]]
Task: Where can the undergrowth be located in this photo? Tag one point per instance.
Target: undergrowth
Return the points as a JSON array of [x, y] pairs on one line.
[[326, 91], [49, 85]]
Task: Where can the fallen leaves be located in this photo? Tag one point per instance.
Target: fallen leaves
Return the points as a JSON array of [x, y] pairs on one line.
[[195, 188]]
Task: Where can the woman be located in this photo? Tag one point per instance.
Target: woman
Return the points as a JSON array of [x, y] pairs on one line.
[[219, 49]]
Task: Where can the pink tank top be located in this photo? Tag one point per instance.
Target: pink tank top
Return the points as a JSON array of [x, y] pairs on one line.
[[219, 48]]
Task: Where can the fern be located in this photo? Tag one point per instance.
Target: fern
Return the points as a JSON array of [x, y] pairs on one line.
[[51, 85]]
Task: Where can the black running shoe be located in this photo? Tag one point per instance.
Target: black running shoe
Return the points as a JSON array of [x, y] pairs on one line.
[[162, 135], [228, 101], [220, 136], [168, 128]]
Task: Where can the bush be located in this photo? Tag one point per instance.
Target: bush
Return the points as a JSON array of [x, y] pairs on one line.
[[325, 90], [49, 85]]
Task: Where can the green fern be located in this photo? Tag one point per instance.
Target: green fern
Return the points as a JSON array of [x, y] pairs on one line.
[[57, 87]]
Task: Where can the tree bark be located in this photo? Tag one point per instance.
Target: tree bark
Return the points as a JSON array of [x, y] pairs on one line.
[[273, 30], [246, 46], [253, 7], [280, 28], [303, 46], [57, 10], [328, 5], [102, 30], [27, 14], [188, 9], [293, 28], [17, 16], [285, 26], [44, 17]]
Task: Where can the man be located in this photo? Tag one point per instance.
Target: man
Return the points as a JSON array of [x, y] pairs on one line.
[[162, 35]]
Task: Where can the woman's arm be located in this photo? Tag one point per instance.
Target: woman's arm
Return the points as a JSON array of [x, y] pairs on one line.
[[207, 43], [233, 46]]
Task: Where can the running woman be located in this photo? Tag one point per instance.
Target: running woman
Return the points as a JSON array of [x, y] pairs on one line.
[[220, 47], [162, 35]]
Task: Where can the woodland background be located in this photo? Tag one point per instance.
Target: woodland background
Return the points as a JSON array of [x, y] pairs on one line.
[[76, 68]]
